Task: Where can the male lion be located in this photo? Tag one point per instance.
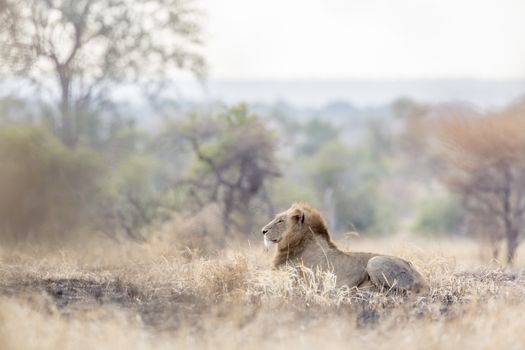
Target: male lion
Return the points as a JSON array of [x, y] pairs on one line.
[[302, 238]]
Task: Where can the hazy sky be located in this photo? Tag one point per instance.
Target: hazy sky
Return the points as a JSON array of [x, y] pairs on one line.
[[383, 39]]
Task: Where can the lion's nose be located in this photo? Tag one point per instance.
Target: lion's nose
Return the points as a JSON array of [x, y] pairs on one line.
[[264, 230]]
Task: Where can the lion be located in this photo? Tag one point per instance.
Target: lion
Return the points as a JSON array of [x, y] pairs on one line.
[[303, 239]]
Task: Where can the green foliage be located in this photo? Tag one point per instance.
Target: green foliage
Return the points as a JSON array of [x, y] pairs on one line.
[[48, 190], [405, 108], [133, 195], [285, 191], [316, 134], [441, 215], [348, 180], [238, 116], [328, 167], [134, 177], [233, 159], [43, 185]]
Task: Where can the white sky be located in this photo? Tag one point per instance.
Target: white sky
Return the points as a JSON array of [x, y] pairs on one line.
[[363, 39]]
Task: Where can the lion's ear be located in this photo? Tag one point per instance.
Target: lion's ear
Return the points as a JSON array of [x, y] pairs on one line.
[[297, 215]]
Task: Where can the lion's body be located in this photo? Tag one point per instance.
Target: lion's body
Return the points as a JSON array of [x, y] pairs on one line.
[[305, 241]]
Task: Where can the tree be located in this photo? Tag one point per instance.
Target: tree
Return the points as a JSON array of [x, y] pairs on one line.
[[348, 181], [89, 46], [133, 200], [487, 160], [415, 119], [234, 159], [316, 134]]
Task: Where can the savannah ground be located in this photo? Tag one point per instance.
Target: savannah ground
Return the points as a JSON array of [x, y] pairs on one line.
[[111, 295]]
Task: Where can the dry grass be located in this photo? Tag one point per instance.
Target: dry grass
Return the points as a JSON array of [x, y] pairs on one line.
[[158, 295]]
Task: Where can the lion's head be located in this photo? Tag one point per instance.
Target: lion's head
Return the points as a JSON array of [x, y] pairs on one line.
[[294, 225], [274, 230]]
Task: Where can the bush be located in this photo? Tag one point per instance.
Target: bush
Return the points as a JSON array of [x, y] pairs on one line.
[[439, 216], [132, 199], [348, 180], [44, 187]]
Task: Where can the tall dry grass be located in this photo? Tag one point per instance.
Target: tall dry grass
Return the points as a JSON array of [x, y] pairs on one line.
[[160, 295]]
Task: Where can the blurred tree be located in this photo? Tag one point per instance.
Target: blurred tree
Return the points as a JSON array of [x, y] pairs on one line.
[[234, 158], [381, 139], [133, 201], [347, 181], [415, 133], [49, 190], [440, 215], [487, 159], [487, 230], [89, 46], [316, 134], [45, 188]]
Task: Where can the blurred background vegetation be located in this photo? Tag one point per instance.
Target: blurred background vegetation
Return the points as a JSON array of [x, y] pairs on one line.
[[75, 162]]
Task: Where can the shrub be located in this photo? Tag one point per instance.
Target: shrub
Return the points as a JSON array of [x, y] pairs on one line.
[[440, 215], [44, 187]]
